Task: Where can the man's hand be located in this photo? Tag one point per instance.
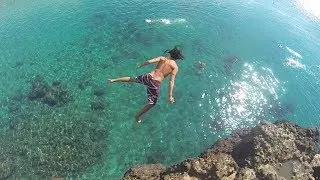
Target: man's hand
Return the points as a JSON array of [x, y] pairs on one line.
[[171, 100]]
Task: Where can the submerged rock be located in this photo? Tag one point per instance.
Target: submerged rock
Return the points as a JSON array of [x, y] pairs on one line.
[[51, 95], [6, 169], [99, 91], [63, 144], [280, 150], [98, 104], [83, 83], [229, 63], [38, 89]]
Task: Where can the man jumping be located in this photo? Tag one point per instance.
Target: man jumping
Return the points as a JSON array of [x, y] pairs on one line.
[[165, 66]]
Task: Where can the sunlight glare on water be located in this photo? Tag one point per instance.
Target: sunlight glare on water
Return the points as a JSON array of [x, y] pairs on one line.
[[311, 7], [244, 101]]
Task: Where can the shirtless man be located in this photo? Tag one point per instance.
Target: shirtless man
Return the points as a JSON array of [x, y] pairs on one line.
[[165, 66]]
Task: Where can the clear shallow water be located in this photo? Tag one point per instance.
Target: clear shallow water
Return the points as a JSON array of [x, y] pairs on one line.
[[262, 64]]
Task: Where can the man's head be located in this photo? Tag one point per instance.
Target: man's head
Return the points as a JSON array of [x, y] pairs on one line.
[[175, 53]]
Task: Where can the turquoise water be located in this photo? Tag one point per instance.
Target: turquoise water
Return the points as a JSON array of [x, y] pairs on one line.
[[262, 64]]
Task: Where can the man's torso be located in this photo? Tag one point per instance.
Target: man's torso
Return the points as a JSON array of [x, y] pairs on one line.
[[164, 67]]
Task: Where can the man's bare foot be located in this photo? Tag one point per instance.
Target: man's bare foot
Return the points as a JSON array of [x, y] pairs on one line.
[[138, 119], [110, 80]]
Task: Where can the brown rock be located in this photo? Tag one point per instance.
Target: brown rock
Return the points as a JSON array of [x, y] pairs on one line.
[[316, 161], [278, 143], [247, 174], [239, 144], [145, 172], [270, 139], [214, 166], [268, 151], [268, 172], [315, 164], [179, 176]]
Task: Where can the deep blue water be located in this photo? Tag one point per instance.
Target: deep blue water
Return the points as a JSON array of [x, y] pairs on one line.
[[262, 64]]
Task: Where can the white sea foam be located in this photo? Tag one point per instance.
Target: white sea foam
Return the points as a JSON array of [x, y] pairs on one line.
[[166, 21], [294, 63], [294, 52]]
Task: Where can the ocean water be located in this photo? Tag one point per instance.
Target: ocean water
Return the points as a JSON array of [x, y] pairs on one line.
[[262, 64]]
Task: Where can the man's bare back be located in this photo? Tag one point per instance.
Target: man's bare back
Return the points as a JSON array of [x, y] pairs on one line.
[[165, 66]]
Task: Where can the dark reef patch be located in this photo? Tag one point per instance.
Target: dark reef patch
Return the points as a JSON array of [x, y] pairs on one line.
[[99, 91], [98, 20], [18, 64], [229, 63], [98, 104], [51, 95], [83, 83], [279, 110]]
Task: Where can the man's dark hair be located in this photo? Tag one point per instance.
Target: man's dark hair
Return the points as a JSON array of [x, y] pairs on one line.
[[175, 53]]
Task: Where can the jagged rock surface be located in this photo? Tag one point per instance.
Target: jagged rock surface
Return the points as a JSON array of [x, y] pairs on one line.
[[275, 151], [145, 172]]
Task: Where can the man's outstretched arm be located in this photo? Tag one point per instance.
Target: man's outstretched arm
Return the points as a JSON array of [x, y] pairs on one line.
[[171, 84], [150, 61]]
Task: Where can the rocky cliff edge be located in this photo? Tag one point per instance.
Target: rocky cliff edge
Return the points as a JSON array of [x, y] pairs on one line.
[[274, 151]]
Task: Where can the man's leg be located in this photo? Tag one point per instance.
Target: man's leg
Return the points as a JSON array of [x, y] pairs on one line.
[[122, 79], [145, 109]]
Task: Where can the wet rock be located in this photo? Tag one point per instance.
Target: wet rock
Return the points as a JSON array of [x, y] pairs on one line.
[[145, 172]]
